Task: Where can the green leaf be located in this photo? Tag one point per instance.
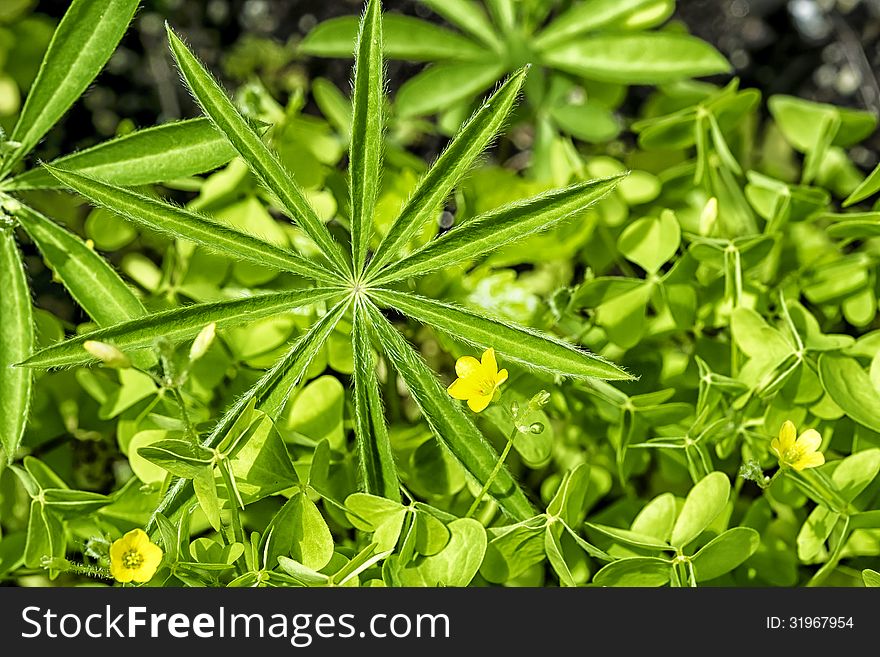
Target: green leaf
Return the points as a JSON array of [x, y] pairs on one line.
[[536, 350], [179, 457], [446, 418], [45, 536], [16, 343], [270, 393], [725, 552], [871, 577], [494, 229], [803, 121], [553, 534], [647, 58], [634, 571], [365, 152], [631, 538], [450, 167], [443, 85], [469, 17], [169, 219], [376, 460], [512, 551], [260, 462], [312, 543], [263, 161], [855, 472], [83, 42], [90, 280], [702, 505], [454, 565], [177, 325], [164, 152], [405, 38], [584, 17], [72, 503], [650, 242], [851, 388], [868, 187]]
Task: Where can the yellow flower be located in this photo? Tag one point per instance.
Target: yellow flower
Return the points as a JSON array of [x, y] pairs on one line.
[[801, 453], [134, 557], [477, 380]]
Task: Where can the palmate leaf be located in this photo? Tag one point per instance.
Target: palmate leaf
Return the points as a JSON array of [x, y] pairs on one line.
[[583, 17], [648, 58], [16, 342], [178, 222], [83, 42], [536, 350], [469, 17], [449, 168], [176, 325], [262, 160], [405, 38], [448, 421], [165, 152], [93, 283], [498, 227], [376, 462], [269, 394], [365, 153]]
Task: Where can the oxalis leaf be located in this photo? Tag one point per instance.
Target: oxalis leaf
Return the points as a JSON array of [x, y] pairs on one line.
[[533, 349], [446, 418]]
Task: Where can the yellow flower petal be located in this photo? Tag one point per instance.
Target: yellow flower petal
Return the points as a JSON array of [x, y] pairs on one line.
[[812, 460], [809, 441], [501, 378], [489, 363], [463, 389], [467, 366], [776, 447], [787, 436], [479, 402]]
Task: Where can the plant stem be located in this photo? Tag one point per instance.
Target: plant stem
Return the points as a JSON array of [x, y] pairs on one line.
[[498, 465], [232, 498], [190, 429]]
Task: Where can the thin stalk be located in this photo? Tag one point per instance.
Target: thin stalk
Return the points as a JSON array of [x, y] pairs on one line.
[[498, 465]]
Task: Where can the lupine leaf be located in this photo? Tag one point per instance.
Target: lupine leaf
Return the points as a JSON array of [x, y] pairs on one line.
[[493, 229], [365, 153], [178, 222], [264, 162], [92, 283], [164, 152], [269, 394], [536, 350], [449, 168], [176, 325], [405, 38], [83, 42], [646, 58], [448, 420], [584, 17], [468, 16], [16, 343], [376, 461]]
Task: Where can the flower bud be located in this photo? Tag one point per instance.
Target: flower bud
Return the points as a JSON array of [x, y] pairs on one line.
[[108, 354], [202, 342]]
